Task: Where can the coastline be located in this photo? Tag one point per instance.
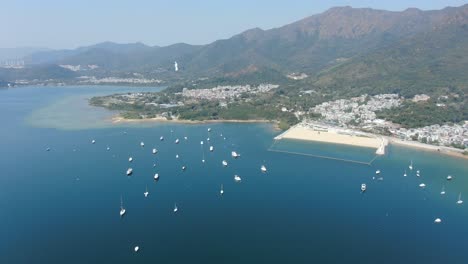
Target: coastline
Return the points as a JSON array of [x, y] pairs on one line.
[[328, 134], [120, 119], [296, 132], [431, 148], [331, 136]]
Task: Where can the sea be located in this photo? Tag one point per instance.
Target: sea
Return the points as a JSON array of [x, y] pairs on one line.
[[62, 205]]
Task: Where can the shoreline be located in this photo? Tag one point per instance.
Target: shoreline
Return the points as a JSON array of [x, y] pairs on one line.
[[120, 119], [448, 151], [332, 136]]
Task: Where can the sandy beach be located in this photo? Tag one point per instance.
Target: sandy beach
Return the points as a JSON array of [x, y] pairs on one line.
[[331, 136], [426, 147]]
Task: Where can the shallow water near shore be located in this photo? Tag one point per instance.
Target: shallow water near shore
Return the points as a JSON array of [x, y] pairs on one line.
[[62, 205]]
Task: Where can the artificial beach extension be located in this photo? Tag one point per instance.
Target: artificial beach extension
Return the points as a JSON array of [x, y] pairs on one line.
[[327, 134]]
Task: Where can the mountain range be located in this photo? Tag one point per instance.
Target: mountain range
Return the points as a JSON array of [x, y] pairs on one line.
[[339, 49]]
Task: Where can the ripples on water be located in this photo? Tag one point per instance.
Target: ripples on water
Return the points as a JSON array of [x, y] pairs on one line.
[[62, 206]]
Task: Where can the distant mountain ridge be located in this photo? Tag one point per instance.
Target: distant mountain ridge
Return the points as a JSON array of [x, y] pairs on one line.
[[342, 45]]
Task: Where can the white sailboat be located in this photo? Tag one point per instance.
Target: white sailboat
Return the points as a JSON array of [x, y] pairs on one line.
[[175, 208], [235, 154], [209, 129], [404, 175], [129, 171], [122, 209], [156, 176], [130, 159], [460, 201], [438, 221], [136, 248], [142, 144], [443, 190], [93, 141], [177, 156], [449, 178], [203, 152], [108, 148], [176, 141], [411, 165], [146, 191], [422, 185], [222, 190], [225, 163], [161, 138], [184, 168], [185, 138], [237, 178], [263, 168], [211, 148], [155, 151], [377, 172], [363, 187]]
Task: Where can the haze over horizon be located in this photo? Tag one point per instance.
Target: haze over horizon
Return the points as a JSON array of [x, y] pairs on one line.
[[159, 23]]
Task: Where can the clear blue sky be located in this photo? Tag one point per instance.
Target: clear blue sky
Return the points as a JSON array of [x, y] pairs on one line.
[[73, 23]]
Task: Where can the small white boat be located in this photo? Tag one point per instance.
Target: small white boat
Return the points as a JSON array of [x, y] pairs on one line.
[[184, 168], [411, 166], [235, 154], [437, 220], [363, 187], [422, 185], [460, 201], [203, 161], [146, 192], [263, 168], [156, 176], [209, 129], [418, 175], [177, 156], [185, 138], [175, 208], [443, 190], [142, 144], [377, 172], [222, 190], [155, 151], [93, 141], [449, 178], [130, 159], [129, 171], [417, 171], [108, 148], [208, 139], [136, 249], [161, 138], [177, 141], [122, 209], [404, 175], [380, 179], [237, 178], [225, 163], [211, 148]]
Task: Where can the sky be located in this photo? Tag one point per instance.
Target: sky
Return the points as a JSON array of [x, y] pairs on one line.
[[61, 24]]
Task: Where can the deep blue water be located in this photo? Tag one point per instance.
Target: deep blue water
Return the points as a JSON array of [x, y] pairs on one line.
[[62, 206]]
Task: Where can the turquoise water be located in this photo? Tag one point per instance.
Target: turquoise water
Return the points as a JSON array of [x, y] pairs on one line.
[[62, 206]]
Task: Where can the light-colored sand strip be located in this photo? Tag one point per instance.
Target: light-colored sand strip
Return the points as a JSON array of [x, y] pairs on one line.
[[331, 136]]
